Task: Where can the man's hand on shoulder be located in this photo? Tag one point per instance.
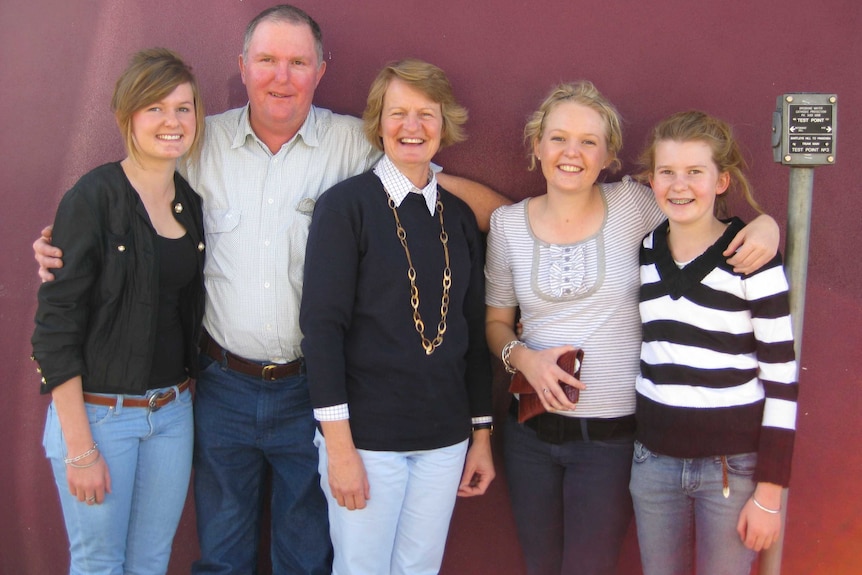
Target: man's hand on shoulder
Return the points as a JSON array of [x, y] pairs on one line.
[[481, 199], [47, 256]]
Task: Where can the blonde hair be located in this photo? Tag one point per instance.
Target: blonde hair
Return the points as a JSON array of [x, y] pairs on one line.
[[695, 126], [585, 94], [426, 78], [152, 75]]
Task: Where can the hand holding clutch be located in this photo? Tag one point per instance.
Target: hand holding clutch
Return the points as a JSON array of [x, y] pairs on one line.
[[529, 404]]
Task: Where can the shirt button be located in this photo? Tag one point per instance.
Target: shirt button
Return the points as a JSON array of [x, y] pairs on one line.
[[266, 285]]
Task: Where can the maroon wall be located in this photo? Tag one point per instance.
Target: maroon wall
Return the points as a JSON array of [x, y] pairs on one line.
[[732, 58]]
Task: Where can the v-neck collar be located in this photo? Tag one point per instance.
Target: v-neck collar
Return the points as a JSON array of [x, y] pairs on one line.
[[681, 280]]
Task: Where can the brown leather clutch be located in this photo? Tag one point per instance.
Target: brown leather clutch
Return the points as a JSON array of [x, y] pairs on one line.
[[529, 404]]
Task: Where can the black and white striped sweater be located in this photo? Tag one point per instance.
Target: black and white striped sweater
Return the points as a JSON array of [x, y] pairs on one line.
[[718, 370]]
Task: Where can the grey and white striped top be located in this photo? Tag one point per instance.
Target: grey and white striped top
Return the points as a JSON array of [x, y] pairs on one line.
[[584, 294]]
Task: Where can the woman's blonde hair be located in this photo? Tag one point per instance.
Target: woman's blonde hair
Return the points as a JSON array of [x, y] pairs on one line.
[[152, 75], [585, 94]]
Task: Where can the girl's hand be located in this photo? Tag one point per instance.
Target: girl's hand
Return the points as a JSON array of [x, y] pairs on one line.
[[89, 484], [754, 246], [759, 529], [541, 370], [88, 477]]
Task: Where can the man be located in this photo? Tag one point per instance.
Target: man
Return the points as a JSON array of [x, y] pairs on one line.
[[261, 168]]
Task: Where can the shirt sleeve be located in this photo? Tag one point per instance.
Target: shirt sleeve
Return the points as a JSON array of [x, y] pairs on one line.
[[767, 293], [499, 281], [332, 413], [61, 316], [478, 373], [651, 214]]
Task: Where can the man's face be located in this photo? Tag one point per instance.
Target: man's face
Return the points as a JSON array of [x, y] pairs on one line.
[[280, 73]]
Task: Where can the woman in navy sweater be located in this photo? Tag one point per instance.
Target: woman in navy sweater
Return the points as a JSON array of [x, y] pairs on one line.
[[393, 319]]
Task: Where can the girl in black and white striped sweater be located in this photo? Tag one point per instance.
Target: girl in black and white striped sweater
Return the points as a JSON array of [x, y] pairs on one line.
[[716, 396]]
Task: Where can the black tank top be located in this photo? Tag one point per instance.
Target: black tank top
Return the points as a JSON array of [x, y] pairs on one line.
[[177, 268]]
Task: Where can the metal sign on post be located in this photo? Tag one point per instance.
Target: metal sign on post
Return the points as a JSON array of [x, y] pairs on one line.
[[803, 129], [803, 137]]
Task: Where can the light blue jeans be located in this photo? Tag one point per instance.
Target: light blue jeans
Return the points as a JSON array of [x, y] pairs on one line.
[[683, 517], [149, 457], [403, 528]]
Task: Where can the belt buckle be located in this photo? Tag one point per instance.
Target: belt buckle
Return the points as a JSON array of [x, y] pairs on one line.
[[268, 372], [153, 403]]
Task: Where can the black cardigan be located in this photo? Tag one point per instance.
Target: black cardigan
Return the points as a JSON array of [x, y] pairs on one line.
[[360, 343], [97, 319]]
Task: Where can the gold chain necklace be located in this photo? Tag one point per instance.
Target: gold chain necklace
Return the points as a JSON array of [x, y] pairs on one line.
[[428, 345]]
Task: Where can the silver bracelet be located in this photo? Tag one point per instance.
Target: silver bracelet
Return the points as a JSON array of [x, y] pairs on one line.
[[86, 465], [507, 351], [88, 453], [767, 509]]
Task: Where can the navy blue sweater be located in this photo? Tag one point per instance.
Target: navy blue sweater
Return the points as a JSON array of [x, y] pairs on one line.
[[360, 343]]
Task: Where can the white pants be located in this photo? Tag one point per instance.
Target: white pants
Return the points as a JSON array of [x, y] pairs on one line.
[[403, 528]]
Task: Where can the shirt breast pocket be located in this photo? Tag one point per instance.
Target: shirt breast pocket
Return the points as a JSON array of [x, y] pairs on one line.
[[297, 237], [115, 273], [220, 227]]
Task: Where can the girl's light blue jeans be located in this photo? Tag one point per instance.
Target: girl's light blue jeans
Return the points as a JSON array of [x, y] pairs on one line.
[[682, 516], [149, 456]]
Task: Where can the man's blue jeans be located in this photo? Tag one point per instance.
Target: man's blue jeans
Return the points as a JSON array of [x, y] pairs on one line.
[[149, 456], [242, 425], [682, 514]]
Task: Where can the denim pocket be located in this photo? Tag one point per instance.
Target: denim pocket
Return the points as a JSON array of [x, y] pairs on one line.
[[98, 414], [51, 437], [204, 361], [641, 453], [742, 463], [184, 397]]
